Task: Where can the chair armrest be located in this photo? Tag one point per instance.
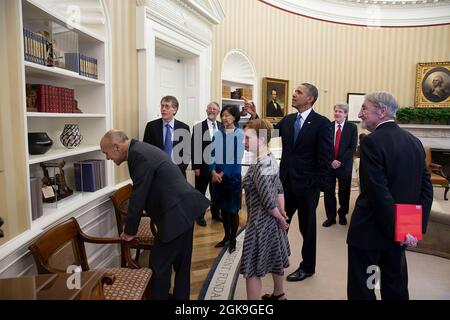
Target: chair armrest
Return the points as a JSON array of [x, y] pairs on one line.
[[439, 171], [435, 166], [124, 247]]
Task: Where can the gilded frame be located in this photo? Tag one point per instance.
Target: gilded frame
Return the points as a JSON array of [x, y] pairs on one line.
[[433, 85], [274, 112]]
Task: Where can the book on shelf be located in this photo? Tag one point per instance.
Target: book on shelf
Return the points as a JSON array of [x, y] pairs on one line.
[[34, 47], [54, 99], [84, 65], [36, 198], [90, 175]]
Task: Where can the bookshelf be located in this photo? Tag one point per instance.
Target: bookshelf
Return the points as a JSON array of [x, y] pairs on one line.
[[90, 93]]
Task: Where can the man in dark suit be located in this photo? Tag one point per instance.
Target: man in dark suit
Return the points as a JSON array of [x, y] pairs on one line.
[[202, 134], [307, 142], [273, 108], [345, 140], [170, 135], [392, 171], [173, 205]]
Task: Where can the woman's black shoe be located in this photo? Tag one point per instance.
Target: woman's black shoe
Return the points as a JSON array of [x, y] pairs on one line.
[[232, 246]]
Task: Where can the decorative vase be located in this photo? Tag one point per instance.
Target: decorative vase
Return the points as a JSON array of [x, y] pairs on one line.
[[71, 137], [39, 142]]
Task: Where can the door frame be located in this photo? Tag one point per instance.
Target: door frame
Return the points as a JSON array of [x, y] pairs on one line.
[[153, 27]]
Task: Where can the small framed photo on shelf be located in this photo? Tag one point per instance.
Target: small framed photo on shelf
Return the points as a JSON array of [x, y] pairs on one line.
[[274, 98], [433, 85], [354, 101]]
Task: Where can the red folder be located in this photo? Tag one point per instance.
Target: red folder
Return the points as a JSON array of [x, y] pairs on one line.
[[408, 219]]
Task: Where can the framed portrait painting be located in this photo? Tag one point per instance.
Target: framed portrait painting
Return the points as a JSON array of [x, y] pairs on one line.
[[274, 99], [354, 101], [433, 85]]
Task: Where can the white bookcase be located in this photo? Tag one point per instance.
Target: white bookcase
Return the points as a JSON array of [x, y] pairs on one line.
[[93, 100]]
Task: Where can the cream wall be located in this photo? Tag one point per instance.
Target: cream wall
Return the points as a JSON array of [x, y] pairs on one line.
[[124, 72], [337, 58], [13, 181]]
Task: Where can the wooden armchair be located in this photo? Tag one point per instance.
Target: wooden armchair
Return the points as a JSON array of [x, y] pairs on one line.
[[128, 284], [146, 231], [438, 176]]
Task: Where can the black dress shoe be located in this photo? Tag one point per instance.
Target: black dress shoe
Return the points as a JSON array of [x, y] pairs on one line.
[[298, 275], [201, 222], [343, 220], [221, 244], [328, 223]]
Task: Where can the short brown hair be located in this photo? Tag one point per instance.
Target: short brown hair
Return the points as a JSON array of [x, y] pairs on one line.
[[260, 126], [172, 100]]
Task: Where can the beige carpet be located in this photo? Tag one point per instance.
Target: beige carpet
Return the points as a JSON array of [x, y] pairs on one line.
[[429, 276]]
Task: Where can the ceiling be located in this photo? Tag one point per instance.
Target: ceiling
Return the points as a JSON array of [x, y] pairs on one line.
[[371, 13]]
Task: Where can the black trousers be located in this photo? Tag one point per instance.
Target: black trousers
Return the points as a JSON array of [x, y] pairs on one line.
[[305, 203], [393, 273], [175, 254], [201, 183], [344, 184]]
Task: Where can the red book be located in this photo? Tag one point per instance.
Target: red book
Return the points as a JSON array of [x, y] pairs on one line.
[[408, 219]]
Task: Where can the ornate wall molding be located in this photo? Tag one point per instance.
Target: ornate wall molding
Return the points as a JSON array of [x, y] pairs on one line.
[[178, 18], [370, 13]]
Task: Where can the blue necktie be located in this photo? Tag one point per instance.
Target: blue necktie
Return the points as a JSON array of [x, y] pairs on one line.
[[168, 141], [297, 127]]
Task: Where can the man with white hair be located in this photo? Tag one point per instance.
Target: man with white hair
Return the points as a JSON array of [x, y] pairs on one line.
[[392, 171]]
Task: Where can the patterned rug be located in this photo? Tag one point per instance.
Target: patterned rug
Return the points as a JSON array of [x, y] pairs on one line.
[[220, 284]]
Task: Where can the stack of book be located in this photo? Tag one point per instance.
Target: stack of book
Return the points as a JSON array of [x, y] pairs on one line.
[[90, 175], [54, 99], [36, 198], [35, 47], [84, 65]]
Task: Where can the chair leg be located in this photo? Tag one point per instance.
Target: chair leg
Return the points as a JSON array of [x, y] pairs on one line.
[[445, 193], [138, 253], [123, 261]]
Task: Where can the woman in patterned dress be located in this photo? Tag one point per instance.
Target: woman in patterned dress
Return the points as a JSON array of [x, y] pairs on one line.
[[226, 167], [266, 246]]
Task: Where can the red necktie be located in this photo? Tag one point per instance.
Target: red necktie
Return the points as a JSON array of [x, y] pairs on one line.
[[337, 140]]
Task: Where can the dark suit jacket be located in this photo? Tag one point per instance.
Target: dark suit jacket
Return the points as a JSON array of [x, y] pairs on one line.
[[154, 135], [200, 159], [272, 111], [347, 147], [307, 163], [392, 170], [159, 188]]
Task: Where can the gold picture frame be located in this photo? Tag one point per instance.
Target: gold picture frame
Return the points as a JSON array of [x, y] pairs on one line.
[[433, 84], [274, 111]]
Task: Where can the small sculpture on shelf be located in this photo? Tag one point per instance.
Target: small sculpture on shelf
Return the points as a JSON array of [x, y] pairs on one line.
[[49, 54], [57, 183], [75, 107], [71, 137]]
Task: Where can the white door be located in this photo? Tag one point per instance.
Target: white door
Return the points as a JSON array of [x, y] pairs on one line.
[[170, 80]]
